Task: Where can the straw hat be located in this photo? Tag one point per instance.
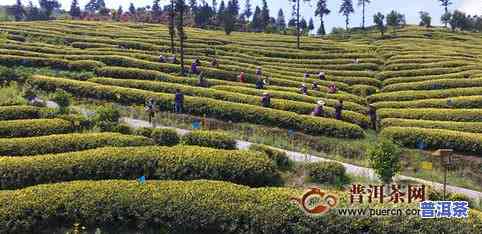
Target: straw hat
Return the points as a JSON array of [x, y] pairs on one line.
[[320, 102]]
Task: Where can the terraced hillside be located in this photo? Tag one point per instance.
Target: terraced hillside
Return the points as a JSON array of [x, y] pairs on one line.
[[56, 172], [428, 81]]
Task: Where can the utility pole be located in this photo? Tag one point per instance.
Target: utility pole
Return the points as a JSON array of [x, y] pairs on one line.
[[298, 24], [446, 160]]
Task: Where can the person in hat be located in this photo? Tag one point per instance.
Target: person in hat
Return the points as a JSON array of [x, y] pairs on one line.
[[202, 80], [149, 108], [338, 109], [318, 111], [322, 76], [214, 63], [197, 61], [194, 69], [259, 72], [266, 100], [304, 89], [306, 75], [259, 84], [332, 88], [162, 58], [178, 101], [241, 77], [372, 115], [315, 86]]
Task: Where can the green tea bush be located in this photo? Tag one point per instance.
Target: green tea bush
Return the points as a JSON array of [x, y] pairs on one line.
[[211, 139], [145, 132], [279, 157], [327, 173], [34, 127], [183, 163], [436, 138], [165, 136], [67, 143]]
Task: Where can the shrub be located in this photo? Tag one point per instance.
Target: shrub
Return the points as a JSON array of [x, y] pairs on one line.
[[122, 128], [107, 113], [384, 158], [23, 112], [279, 157], [475, 127], [145, 132], [183, 163], [79, 122], [63, 99], [34, 127], [211, 108], [67, 143], [457, 102], [425, 94], [222, 208], [209, 139], [434, 84], [436, 138], [327, 172], [459, 115], [165, 136]]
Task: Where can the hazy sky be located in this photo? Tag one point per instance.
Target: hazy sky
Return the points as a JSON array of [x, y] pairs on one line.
[[408, 7]]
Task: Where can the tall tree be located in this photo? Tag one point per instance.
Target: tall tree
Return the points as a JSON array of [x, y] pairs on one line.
[[132, 9], [346, 9], [32, 13], [363, 4], [204, 15], [247, 10], [215, 6], [172, 31], [379, 19], [49, 6], [446, 4], [221, 11], [101, 4], [91, 6], [19, 11], [264, 15], [180, 10], [321, 11], [75, 9], [119, 13], [395, 20], [156, 11], [229, 16], [256, 23], [425, 19], [311, 25], [281, 21], [303, 25]]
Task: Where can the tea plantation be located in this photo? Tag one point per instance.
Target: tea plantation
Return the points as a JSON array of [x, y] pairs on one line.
[[54, 171]]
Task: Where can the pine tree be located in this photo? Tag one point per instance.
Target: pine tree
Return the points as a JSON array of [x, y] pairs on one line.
[[132, 9], [32, 12], [256, 22], [100, 4], [264, 15], [156, 11], [321, 11], [346, 9], [75, 9], [49, 6], [205, 13], [229, 16], [281, 21], [19, 11], [119, 13], [311, 25], [363, 4], [91, 6], [215, 7], [247, 10], [378, 19], [193, 6], [221, 12]]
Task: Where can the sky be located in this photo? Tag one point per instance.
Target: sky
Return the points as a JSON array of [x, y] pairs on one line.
[[408, 7]]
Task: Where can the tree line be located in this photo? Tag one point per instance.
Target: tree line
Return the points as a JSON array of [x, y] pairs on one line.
[[228, 15]]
